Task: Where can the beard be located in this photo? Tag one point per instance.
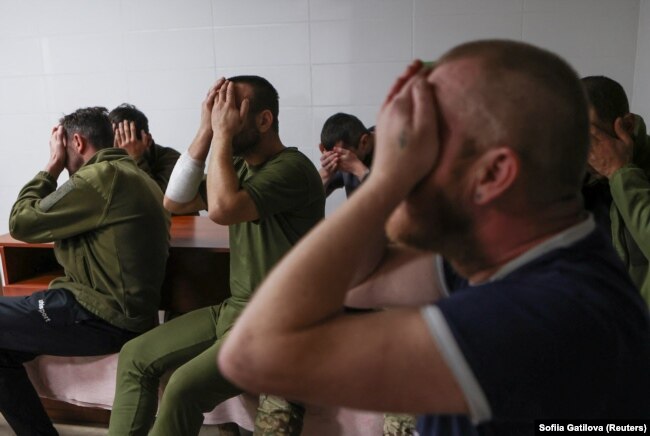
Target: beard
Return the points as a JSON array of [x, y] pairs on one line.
[[246, 140], [435, 223]]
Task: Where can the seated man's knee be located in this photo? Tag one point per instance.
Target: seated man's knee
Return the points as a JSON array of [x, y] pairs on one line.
[[132, 358], [178, 389]]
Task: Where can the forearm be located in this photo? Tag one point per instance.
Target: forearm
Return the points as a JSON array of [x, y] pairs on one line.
[[200, 146], [325, 176], [222, 183], [360, 171], [406, 277]]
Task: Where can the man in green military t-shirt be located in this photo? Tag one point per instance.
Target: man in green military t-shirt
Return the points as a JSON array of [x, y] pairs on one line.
[[111, 236], [269, 196]]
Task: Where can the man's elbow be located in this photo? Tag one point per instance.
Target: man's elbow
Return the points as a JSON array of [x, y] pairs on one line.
[[23, 230], [171, 205], [239, 363], [223, 215]]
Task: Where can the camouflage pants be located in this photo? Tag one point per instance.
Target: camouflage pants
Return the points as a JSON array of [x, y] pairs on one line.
[[399, 424], [278, 417]]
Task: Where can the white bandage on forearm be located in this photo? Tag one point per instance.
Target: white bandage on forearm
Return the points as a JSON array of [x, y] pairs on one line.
[[185, 179]]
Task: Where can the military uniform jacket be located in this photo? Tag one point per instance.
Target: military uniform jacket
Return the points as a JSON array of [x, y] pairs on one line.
[[630, 211], [110, 233]]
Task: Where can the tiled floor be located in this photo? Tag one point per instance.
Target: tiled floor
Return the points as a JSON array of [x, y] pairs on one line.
[[75, 430]]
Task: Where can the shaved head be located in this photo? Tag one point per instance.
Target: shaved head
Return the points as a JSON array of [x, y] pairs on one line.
[[530, 100]]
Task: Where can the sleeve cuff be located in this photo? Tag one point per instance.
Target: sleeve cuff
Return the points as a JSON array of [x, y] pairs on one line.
[[47, 176]]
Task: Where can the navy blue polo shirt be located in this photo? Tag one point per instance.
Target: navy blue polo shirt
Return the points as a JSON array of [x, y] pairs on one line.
[[560, 332]]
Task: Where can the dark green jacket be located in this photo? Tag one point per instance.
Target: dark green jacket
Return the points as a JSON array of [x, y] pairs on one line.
[[111, 236], [630, 211]]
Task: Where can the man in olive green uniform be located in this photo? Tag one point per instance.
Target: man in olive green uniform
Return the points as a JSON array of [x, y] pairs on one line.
[[131, 128], [111, 237], [269, 196], [619, 189]]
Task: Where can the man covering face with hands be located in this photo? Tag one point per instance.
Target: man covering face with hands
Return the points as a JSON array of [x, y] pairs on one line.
[[523, 305]]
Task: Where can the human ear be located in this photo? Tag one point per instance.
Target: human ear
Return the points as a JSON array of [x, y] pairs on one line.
[[364, 142], [79, 143], [497, 169], [264, 120], [629, 122]]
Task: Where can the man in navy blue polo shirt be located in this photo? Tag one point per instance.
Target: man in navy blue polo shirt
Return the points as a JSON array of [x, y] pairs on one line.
[[526, 314]]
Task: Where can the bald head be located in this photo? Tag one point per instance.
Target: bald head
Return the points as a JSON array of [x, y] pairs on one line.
[[532, 101]]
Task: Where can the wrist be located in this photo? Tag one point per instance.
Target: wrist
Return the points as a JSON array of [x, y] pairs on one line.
[[614, 170], [222, 143], [324, 175], [360, 170], [204, 132], [135, 155], [53, 170], [362, 173], [394, 186]]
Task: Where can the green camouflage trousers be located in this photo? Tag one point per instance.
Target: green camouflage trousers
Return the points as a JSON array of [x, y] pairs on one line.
[[278, 417], [396, 424]]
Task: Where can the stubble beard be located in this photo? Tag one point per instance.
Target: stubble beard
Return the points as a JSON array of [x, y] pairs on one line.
[[245, 141], [440, 226]]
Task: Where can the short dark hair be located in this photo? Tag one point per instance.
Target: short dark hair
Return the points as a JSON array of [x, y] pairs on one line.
[[265, 97], [342, 127], [607, 97], [129, 112], [92, 123]]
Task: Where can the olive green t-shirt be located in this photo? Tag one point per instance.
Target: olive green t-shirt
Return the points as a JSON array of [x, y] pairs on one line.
[[290, 200]]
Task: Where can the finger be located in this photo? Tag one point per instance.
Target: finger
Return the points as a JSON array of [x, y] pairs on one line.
[[403, 101], [58, 133], [598, 134], [220, 81], [147, 138], [221, 95], [209, 99], [116, 137], [132, 132], [120, 132], [424, 115], [243, 110], [230, 93]]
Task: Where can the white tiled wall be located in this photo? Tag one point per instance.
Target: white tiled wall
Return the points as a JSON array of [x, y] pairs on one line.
[[323, 56], [641, 97]]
